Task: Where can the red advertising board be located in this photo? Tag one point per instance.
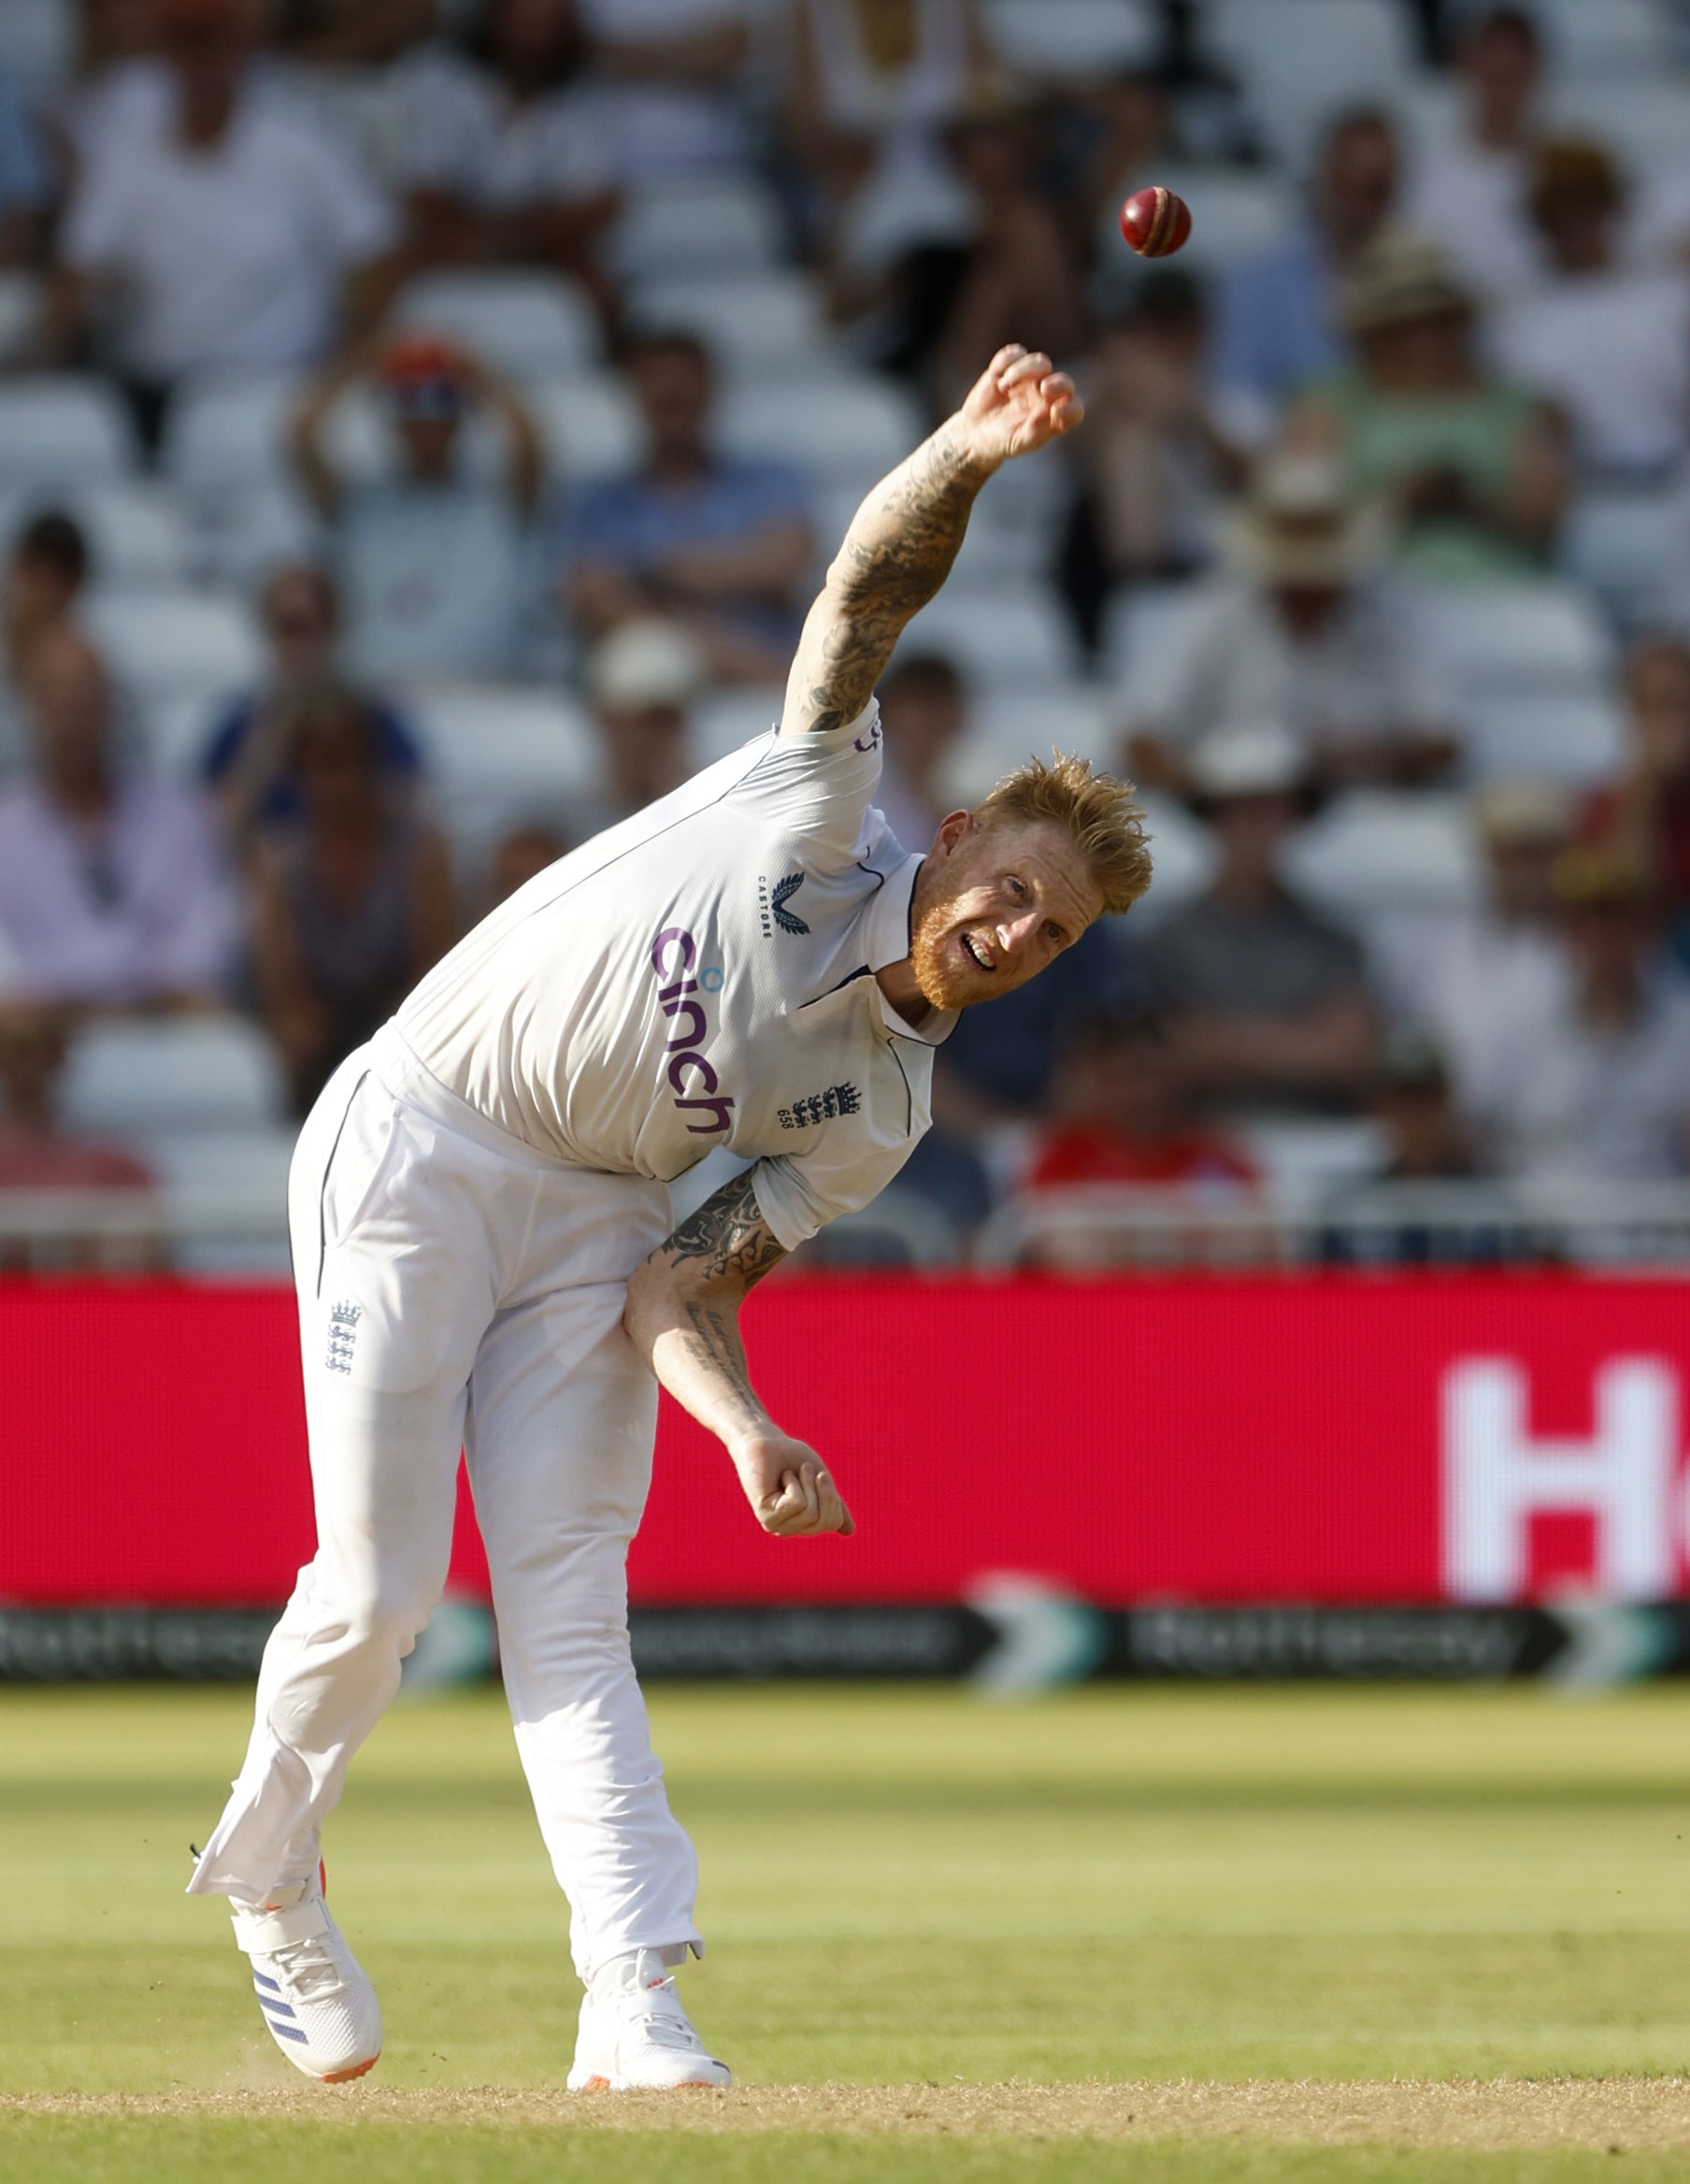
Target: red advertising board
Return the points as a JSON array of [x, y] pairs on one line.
[[1337, 1439]]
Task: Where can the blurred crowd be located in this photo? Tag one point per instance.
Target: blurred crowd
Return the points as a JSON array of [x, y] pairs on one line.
[[387, 385]]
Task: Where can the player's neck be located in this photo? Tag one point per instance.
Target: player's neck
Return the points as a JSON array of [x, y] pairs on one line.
[[898, 982]]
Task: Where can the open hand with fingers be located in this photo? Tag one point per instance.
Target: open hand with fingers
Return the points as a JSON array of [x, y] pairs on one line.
[[1018, 405], [788, 1486]]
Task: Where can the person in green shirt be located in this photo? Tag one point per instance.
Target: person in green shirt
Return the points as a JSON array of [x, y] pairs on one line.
[[1472, 467]]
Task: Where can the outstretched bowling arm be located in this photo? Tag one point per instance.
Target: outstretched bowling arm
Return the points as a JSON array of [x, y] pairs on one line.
[[904, 537]]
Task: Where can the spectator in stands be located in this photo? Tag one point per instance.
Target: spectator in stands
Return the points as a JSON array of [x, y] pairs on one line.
[[245, 761], [235, 234], [1472, 465], [112, 890], [26, 182], [1277, 322], [1153, 462], [1465, 981], [1304, 630], [1608, 345], [1267, 1004], [642, 678], [721, 543], [871, 87], [36, 1152], [502, 157], [351, 34], [1468, 189], [1424, 1137], [1120, 1113], [520, 854], [924, 716], [45, 574], [1016, 279], [1644, 815], [1600, 1081], [433, 559], [669, 81], [355, 899]]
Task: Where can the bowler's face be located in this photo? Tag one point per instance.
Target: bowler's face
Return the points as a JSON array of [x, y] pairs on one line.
[[999, 903]]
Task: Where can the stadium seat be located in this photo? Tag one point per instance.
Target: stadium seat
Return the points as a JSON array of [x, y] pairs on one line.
[[1233, 216], [1303, 60], [590, 426], [1141, 627], [137, 534], [499, 752], [701, 222], [225, 1196], [728, 718], [226, 433], [1373, 851], [754, 324], [843, 430], [1625, 546], [1182, 854], [163, 643], [37, 41], [1018, 634], [1072, 38], [528, 325], [1006, 727], [21, 296], [149, 1077], [176, 726], [1302, 1162], [1577, 737], [1645, 119], [1515, 638], [58, 430], [1615, 37]]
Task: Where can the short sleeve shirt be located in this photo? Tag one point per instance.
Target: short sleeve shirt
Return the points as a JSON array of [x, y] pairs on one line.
[[460, 133], [702, 975]]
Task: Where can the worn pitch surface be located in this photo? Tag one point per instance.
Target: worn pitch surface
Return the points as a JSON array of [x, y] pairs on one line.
[[1251, 1933]]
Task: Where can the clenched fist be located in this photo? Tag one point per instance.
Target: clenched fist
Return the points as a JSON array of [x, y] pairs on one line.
[[788, 1487]]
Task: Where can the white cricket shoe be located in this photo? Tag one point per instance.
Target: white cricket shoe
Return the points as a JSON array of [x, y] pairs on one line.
[[321, 2008], [634, 2032]]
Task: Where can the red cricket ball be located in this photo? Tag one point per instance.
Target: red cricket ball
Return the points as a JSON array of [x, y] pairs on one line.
[[1156, 222]]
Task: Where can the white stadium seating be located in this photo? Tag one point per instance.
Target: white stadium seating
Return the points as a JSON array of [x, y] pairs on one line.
[[137, 533], [1618, 37], [1072, 38], [172, 1074], [1574, 736], [1646, 119], [1371, 852], [1509, 639], [163, 644], [1628, 548], [1303, 60], [753, 323], [527, 325], [696, 223], [60, 429], [1018, 635], [845, 430], [498, 753], [38, 40]]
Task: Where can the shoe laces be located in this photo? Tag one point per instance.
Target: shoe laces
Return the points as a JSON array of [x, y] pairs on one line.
[[308, 1967], [656, 2008]]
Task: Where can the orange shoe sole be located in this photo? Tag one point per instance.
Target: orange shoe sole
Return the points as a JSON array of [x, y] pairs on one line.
[[342, 2078]]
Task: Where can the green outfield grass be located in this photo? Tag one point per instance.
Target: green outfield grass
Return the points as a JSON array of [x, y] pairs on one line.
[[901, 1887]]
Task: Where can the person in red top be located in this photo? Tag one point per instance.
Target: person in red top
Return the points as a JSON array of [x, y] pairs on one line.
[[1644, 815], [1121, 1118]]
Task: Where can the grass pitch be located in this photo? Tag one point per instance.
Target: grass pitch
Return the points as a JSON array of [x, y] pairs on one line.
[[1244, 1934]]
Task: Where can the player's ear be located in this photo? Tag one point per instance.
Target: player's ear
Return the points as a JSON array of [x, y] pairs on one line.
[[954, 829]]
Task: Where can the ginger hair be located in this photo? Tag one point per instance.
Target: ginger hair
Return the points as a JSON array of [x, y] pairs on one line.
[[1096, 811]]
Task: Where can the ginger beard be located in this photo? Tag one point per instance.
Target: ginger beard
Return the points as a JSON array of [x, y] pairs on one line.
[[941, 952]]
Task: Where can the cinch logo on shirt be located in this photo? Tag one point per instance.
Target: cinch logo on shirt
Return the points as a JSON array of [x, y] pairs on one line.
[[672, 952], [772, 900], [820, 1107]]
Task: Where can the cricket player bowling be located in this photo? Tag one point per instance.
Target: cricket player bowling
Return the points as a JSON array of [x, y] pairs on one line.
[[483, 1249]]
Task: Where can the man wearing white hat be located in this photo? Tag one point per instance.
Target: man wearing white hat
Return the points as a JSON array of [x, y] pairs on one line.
[[1303, 629]]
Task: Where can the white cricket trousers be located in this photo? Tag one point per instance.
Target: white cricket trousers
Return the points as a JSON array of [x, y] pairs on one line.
[[457, 1290]]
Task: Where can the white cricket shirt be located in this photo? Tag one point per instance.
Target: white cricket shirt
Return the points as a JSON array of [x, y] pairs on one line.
[[701, 975]]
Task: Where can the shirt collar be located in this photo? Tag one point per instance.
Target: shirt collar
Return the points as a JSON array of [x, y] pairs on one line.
[[887, 935]]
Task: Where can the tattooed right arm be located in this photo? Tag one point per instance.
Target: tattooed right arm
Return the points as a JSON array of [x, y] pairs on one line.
[[682, 1315], [904, 537]]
